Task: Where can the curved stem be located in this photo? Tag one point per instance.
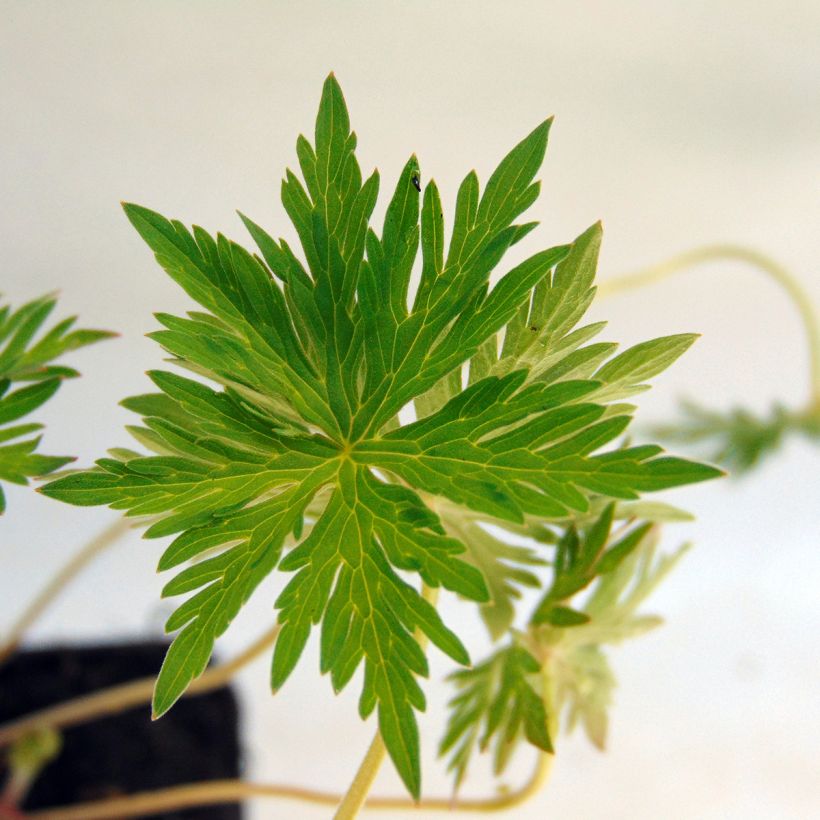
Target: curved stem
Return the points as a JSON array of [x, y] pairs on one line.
[[356, 794], [146, 804], [124, 696], [101, 542], [774, 270]]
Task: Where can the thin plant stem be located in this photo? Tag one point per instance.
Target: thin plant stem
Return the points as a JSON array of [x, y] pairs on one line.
[[356, 795], [58, 583], [357, 792], [175, 798], [127, 695], [714, 253], [146, 804]]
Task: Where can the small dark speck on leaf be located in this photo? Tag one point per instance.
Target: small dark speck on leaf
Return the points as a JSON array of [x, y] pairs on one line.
[[416, 183], [533, 328]]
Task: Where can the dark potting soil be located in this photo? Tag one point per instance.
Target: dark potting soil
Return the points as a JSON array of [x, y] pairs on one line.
[[125, 753]]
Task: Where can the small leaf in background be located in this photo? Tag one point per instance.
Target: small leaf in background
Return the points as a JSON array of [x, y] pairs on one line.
[[573, 680], [506, 567], [580, 675], [28, 359], [739, 439], [498, 703]]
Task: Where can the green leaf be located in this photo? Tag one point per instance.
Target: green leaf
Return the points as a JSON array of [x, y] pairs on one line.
[[289, 434], [225, 581], [497, 704], [564, 616], [579, 674], [370, 615], [586, 690], [579, 559], [26, 358], [645, 360], [575, 676], [506, 568], [619, 551], [624, 375], [740, 439], [541, 334], [27, 399], [19, 462], [22, 358]]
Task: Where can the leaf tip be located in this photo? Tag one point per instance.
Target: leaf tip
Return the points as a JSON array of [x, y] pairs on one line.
[[160, 704], [332, 84]]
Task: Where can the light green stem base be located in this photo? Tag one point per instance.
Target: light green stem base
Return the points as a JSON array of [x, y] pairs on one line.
[[356, 795]]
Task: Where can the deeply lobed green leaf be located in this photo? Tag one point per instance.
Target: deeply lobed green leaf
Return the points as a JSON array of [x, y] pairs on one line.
[[498, 702], [314, 355], [28, 359]]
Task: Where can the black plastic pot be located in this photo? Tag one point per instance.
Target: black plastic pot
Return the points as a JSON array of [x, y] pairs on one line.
[[118, 755]]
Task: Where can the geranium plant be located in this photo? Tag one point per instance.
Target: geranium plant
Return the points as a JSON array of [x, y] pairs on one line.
[[379, 414]]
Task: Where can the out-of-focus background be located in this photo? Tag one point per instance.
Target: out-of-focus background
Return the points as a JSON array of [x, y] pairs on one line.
[[678, 124]]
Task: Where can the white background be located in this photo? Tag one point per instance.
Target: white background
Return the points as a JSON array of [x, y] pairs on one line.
[[678, 124]]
